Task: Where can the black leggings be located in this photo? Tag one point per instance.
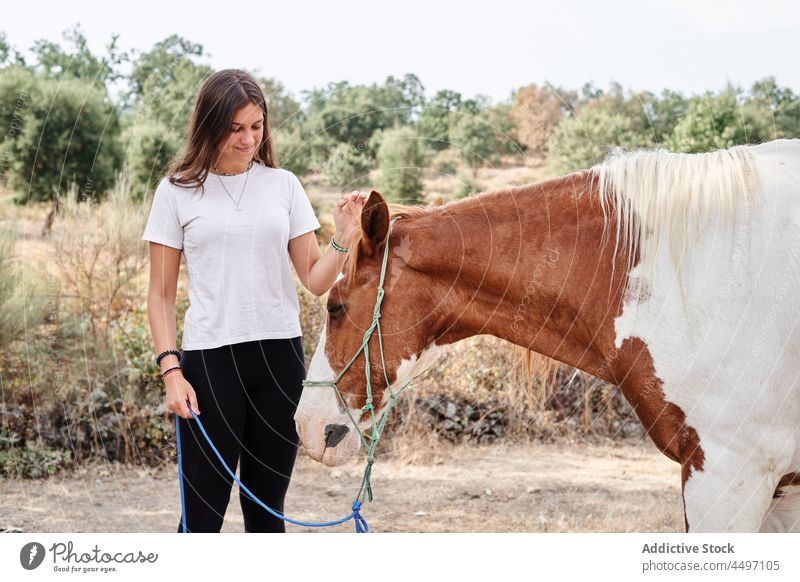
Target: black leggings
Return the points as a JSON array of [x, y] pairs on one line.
[[247, 394]]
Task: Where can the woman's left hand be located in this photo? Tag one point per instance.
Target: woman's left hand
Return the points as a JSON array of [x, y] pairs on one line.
[[347, 215]]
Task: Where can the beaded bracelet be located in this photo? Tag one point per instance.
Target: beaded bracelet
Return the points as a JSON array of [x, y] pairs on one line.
[[164, 375], [338, 247], [166, 353]]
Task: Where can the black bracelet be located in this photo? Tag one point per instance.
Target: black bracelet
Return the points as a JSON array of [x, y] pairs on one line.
[[166, 353], [166, 372]]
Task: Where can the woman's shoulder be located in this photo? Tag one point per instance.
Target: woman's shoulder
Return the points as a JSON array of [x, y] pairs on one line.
[[176, 184], [282, 176], [280, 172]]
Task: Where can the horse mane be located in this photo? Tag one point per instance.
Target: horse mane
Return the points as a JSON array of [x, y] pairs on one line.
[[657, 195]]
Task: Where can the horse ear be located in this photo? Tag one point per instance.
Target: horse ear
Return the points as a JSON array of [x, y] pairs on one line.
[[374, 223]]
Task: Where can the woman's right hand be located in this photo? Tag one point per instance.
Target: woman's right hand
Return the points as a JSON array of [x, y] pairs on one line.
[[180, 395]]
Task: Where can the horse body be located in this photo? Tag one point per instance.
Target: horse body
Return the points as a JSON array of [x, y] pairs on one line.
[[705, 347], [726, 351]]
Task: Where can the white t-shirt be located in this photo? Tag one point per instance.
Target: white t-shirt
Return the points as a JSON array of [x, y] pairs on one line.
[[240, 282]]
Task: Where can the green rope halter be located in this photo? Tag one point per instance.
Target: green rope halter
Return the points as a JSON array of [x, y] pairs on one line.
[[371, 441]]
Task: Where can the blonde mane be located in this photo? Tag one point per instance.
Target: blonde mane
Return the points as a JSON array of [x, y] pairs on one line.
[[657, 195]]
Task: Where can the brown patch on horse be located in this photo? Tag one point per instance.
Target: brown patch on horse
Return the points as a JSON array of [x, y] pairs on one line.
[[664, 421], [786, 481]]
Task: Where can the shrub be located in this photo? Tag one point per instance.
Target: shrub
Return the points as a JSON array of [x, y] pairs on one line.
[[400, 157]]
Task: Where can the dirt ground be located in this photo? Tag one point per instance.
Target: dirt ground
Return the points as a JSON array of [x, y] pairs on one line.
[[500, 488]]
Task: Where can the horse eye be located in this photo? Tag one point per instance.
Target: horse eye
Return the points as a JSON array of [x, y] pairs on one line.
[[335, 310]]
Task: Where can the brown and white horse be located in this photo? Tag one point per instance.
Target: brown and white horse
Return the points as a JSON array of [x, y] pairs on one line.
[[673, 276]]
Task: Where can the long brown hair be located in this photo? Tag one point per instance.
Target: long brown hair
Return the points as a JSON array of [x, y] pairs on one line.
[[219, 98]]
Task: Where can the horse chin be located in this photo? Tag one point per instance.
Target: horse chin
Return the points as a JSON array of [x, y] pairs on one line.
[[341, 453]]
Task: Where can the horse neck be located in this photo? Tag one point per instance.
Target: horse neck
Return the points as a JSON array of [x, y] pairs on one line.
[[526, 265]]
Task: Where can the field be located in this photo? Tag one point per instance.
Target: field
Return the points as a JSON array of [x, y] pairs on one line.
[[501, 488]]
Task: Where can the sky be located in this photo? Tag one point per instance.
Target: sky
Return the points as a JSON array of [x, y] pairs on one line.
[[477, 48]]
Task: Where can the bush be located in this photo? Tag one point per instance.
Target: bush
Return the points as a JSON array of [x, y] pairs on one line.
[[22, 307], [151, 145], [720, 121], [475, 140], [347, 167], [400, 157], [467, 187], [97, 249], [584, 140], [446, 162], [291, 151]]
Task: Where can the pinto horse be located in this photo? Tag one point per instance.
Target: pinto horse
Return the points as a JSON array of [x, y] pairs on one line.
[[673, 276]]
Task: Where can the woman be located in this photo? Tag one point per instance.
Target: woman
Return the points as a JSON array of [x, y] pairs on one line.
[[234, 215]]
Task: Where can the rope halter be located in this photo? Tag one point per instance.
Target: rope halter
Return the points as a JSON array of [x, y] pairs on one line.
[[370, 442]]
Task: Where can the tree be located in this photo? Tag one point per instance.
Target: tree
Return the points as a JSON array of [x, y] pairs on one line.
[[536, 112], [780, 105], [475, 139], [63, 131], [719, 121], [284, 111], [291, 151], [401, 159], [584, 139], [348, 167], [343, 113], [54, 62], [501, 121], [436, 117], [159, 66], [162, 88]]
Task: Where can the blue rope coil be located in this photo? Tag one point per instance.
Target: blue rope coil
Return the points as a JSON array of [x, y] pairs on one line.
[[355, 515]]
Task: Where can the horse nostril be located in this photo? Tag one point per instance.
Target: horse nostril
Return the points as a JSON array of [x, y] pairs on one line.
[[334, 433]]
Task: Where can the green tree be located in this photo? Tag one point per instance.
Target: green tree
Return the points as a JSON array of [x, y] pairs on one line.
[[400, 157], [583, 140], [151, 146], [475, 140], [436, 117], [348, 166], [284, 111], [291, 151], [162, 87], [62, 132], [343, 113], [779, 105], [77, 61], [716, 121]]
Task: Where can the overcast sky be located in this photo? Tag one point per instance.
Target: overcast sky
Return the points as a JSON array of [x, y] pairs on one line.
[[489, 47]]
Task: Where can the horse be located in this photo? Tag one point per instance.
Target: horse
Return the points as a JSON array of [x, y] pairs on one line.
[[672, 276]]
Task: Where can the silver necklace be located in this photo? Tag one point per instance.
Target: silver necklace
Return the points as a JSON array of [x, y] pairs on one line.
[[247, 175]]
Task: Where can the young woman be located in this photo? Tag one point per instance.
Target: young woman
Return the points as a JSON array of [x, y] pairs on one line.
[[238, 219]]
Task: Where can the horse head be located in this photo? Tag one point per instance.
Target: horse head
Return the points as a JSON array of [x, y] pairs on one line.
[[378, 334]]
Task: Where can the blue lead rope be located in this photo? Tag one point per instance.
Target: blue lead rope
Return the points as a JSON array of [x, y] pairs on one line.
[[355, 515]]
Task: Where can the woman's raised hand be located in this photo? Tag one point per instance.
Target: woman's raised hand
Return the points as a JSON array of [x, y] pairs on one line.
[[347, 215]]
